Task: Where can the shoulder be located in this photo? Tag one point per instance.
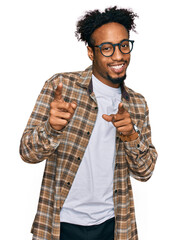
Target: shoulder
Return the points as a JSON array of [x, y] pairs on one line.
[[65, 77], [135, 96], [70, 78], [137, 103]]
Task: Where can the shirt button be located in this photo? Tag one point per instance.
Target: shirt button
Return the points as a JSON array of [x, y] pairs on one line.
[[68, 183], [138, 145], [115, 191], [88, 133], [78, 158], [96, 108]]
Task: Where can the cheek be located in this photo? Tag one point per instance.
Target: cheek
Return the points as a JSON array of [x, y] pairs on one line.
[[128, 59], [100, 61]]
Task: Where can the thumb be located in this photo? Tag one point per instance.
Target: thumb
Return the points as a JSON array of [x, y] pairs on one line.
[[121, 109], [108, 118]]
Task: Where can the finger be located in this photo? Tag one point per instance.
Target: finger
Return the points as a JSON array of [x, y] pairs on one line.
[[58, 123], [118, 117], [74, 105], [108, 118], [126, 129], [62, 115], [122, 123], [58, 92], [121, 109], [64, 107]]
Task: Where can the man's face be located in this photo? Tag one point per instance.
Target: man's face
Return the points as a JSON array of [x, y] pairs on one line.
[[110, 70]]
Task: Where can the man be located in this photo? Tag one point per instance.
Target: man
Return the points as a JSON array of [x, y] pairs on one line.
[[94, 133]]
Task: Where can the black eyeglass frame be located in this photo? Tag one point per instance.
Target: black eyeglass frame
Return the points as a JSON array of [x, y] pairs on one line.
[[114, 45]]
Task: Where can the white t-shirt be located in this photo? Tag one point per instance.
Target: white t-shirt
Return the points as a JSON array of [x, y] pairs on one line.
[[90, 199]]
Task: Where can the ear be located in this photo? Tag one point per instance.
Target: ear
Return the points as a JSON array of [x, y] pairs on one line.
[[90, 53]]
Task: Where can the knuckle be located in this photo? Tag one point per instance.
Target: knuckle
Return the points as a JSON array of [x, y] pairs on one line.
[[52, 104], [69, 115], [130, 127], [67, 105], [52, 112], [116, 125], [115, 117], [51, 121], [65, 122], [129, 121]]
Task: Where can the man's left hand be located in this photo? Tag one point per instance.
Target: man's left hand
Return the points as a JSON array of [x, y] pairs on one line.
[[121, 120]]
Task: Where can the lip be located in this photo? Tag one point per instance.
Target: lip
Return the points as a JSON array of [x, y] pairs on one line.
[[117, 68]]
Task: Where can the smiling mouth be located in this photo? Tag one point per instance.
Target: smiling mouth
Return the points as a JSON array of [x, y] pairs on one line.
[[117, 68]]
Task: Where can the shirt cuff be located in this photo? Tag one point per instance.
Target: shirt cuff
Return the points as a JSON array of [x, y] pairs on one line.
[[137, 145], [51, 131]]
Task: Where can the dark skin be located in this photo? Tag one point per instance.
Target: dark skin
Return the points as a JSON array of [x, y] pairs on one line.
[[121, 120], [61, 112], [105, 67], [102, 66]]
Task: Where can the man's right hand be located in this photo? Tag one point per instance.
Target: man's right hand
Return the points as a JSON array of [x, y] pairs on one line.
[[60, 111]]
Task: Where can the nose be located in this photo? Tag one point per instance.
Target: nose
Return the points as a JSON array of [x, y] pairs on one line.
[[117, 54]]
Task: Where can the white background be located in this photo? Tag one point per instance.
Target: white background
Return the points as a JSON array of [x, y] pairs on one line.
[[37, 40]]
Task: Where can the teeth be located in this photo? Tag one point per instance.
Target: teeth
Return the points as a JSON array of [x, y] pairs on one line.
[[117, 66]]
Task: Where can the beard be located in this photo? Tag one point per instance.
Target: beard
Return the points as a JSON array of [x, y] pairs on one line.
[[116, 80]]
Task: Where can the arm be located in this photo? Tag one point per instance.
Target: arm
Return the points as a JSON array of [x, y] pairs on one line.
[[140, 154], [44, 128]]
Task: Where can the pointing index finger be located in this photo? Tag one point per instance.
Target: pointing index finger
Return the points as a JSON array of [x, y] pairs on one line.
[[121, 109], [58, 92]]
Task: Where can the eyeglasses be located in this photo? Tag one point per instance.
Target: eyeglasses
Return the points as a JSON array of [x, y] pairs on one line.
[[107, 49]]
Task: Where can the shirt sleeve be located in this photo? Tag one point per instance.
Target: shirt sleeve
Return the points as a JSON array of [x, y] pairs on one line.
[[141, 155], [39, 139]]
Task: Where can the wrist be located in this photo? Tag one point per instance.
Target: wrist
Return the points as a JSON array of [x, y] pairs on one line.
[[132, 136], [129, 138]]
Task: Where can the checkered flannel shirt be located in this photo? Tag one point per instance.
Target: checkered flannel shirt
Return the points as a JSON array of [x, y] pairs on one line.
[[63, 151]]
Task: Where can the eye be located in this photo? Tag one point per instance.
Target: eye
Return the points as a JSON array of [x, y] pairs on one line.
[[125, 45], [106, 47]]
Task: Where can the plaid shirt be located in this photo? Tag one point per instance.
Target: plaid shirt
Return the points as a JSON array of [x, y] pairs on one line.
[[64, 150]]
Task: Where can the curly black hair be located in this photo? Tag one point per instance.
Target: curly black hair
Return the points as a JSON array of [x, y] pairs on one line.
[[95, 19]]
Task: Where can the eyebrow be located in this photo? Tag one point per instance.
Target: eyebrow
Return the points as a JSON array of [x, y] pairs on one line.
[[125, 39]]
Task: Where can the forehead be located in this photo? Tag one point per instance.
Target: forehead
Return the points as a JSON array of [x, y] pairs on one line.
[[110, 32]]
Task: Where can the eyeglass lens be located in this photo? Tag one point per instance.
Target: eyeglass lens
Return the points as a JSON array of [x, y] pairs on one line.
[[125, 47]]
